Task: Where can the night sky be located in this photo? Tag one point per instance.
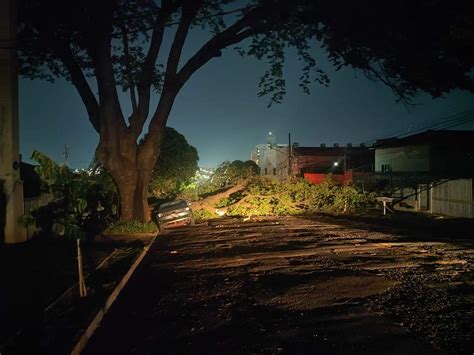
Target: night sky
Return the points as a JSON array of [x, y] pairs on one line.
[[220, 113]]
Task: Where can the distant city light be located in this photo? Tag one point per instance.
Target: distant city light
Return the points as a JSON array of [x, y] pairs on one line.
[[336, 163]]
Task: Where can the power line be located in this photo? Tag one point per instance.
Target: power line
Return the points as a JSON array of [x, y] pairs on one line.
[[451, 120]]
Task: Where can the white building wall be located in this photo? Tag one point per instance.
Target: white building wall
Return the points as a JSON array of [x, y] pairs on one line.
[[414, 158], [272, 159]]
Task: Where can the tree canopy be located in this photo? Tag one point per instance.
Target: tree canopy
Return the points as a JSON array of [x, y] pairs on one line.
[[410, 46], [177, 164], [228, 173]]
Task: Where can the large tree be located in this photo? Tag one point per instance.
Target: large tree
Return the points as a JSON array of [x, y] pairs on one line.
[[176, 165], [408, 45]]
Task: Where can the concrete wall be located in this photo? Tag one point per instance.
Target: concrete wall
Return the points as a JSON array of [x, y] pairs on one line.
[[9, 134], [414, 158]]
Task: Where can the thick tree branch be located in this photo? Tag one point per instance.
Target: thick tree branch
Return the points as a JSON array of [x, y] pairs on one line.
[[246, 27], [210, 50], [169, 24], [128, 71], [188, 13], [233, 34], [81, 84], [111, 111], [144, 86]]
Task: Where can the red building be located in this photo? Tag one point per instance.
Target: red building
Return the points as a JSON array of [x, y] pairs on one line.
[[343, 163]]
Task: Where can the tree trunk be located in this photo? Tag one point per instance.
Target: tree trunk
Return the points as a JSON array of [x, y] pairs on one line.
[[130, 166], [132, 185], [140, 198]]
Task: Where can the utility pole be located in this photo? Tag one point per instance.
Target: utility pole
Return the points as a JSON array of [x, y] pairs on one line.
[[13, 206], [289, 154], [66, 154]]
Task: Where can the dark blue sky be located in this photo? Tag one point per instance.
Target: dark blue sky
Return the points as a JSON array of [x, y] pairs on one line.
[[220, 114]]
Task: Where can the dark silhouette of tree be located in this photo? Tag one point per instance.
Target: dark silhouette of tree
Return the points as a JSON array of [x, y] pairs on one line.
[[228, 173], [410, 46], [250, 168], [176, 165]]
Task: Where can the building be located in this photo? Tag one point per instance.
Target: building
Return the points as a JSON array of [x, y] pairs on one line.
[[343, 163], [313, 163], [446, 153], [431, 171], [273, 159]]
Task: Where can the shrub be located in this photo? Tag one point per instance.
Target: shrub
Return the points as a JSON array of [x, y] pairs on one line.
[[227, 201], [202, 214], [131, 227], [82, 205], [296, 196]]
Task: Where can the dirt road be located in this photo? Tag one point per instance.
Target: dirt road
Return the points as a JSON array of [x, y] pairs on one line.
[[293, 285]]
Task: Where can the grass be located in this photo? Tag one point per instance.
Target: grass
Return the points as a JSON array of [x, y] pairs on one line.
[[131, 227]]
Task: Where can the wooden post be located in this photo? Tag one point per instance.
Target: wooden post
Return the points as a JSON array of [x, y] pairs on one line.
[[82, 283]]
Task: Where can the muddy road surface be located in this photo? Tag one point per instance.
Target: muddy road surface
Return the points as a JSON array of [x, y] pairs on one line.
[[294, 286]]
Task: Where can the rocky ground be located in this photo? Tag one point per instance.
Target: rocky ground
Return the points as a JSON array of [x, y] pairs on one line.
[[296, 285]]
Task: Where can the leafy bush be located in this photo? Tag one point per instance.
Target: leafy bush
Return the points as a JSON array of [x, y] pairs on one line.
[[82, 205], [202, 214], [225, 176], [227, 201], [223, 202], [130, 228], [266, 196]]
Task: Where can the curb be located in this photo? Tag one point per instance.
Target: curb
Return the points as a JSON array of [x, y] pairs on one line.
[[69, 291], [81, 344]]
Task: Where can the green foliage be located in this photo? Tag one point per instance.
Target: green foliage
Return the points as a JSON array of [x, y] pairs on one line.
[[202, 214], [443, 39], [83, 203], [225, 176], [223, 202], [233, 198], [74, 39], [237, 170], [131, 227], [264, 197], [175, 167]]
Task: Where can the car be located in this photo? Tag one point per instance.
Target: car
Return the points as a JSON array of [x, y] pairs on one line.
[[175, 213]]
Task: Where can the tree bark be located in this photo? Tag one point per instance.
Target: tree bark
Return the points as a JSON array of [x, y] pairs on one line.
[[130, 165], [132, 184]]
